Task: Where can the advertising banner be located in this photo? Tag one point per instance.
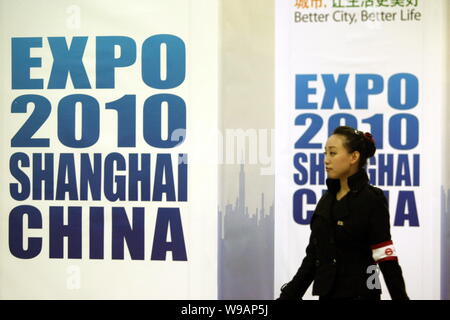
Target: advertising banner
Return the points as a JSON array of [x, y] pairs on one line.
[[376, 66], [108, 173]]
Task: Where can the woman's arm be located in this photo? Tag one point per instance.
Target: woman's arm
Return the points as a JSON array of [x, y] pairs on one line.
[[383, 251], [296, 288]]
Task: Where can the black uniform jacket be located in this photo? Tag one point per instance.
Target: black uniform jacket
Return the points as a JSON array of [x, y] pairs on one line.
[[340, 248]]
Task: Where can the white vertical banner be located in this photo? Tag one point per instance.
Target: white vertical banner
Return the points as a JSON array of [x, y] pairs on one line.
[[376, 66], [108, 163]]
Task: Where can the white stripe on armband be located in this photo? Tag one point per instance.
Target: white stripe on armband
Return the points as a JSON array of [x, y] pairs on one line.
[[383, 251]]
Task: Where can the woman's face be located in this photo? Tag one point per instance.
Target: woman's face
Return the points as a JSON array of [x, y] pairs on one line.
[[339, 162]]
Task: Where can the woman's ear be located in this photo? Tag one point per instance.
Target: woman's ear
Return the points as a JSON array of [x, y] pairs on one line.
[[355, 157]]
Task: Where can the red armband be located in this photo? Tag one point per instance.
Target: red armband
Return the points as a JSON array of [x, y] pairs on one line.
[[383, 251]]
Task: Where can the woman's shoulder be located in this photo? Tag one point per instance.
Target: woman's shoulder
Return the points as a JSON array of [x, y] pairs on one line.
[[324, 199], [325, 195], [375, 193]]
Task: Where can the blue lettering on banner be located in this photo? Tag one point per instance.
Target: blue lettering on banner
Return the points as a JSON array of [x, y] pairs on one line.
[[107, 63], [97, 177], [22, 62], [68, 60], [335, 90], [96, 232], [134, 235], [124, 231], [15, 232], [114, 176], [71, 231], [168, 218], [400, 170], [298, 208]]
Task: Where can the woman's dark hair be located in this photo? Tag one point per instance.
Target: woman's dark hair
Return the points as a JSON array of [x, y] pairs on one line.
[[356, 140]]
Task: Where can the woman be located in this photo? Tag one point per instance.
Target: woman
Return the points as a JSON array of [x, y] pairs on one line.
[[350, 230]]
